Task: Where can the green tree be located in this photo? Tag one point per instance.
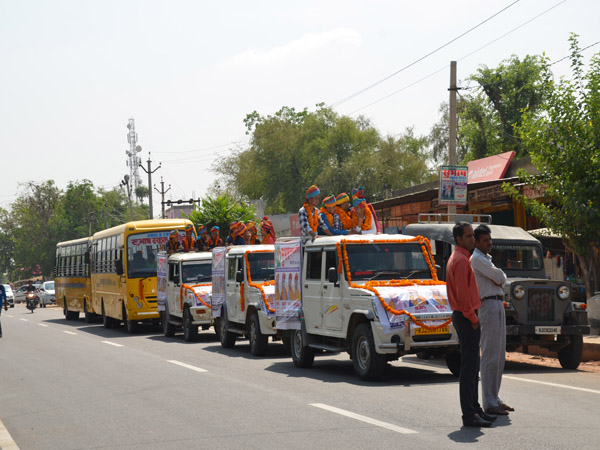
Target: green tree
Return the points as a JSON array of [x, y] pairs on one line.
[[221, 211], [7, 243], [141, 192], [564, 144], [489, 117]]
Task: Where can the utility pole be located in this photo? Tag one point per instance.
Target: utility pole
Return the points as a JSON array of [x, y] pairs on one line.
[[162, 193], [125, 182], [106, 214], [150, 172], [452, 124]]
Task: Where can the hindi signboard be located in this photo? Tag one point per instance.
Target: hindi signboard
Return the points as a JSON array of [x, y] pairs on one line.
[[453, 185], [288, 288], [218, 279]]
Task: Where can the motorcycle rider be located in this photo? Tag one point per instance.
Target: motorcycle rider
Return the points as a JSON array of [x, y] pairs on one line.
[[31, 288]]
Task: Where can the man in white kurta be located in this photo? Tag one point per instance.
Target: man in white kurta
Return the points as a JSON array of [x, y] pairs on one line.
[[492, 319]]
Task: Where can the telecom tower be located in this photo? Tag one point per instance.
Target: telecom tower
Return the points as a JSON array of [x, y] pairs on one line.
[[134, 161]]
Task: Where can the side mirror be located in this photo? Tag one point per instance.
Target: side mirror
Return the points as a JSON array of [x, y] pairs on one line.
[[332, 275], [239, 276], [119, 267]]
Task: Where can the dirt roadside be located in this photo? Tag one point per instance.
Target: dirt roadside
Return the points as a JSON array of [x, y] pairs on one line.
[[548, 361]]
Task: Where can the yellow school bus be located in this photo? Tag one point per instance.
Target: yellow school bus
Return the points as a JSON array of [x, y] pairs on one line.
[[123, 262], [73, 289]]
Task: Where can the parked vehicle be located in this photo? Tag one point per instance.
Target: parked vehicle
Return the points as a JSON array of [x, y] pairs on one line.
[[189, 288], [10, 296], [46, 295], [538, 311], [375, 297], [249, 274], [20, 294]]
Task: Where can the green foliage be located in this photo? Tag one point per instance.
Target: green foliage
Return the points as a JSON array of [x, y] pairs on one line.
[[564, 144], [141, 192], [221, 211], [292, 150]]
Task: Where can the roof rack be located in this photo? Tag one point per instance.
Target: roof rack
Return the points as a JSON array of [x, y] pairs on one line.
[[454, 218]]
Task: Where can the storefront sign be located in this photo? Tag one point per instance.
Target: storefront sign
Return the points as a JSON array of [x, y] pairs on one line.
[[490, 168]]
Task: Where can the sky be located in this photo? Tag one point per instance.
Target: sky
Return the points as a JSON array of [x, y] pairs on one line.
[[75, 71]]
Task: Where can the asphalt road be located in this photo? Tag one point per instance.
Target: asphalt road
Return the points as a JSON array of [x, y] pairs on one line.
[[69, 385]]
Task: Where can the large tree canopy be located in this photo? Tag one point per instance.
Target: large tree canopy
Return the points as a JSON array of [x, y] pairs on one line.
[[564, 144], [292, 150]]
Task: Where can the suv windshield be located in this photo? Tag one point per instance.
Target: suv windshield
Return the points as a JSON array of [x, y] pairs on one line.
[[141, 253], [262, 266], [515, 257], [196, 271], [385, 261]]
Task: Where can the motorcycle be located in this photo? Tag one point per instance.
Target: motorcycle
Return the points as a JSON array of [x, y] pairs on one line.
[[32, 301]]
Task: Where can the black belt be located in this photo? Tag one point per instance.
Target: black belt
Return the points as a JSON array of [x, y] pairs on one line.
[[493, 297]]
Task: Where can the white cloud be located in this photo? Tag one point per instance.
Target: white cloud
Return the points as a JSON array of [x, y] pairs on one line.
[[303, 48]]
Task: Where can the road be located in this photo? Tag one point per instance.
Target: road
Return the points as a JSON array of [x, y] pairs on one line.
[[69, 385]]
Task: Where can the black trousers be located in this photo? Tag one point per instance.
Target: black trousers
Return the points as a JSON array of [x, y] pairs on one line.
[[469, 365]]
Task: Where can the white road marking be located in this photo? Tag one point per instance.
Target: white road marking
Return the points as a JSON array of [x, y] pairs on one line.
[[70, 332], [8, 315], [113, 344], [42, 325], [564, 386], [375, 422], [6, 441], [25, 320], [187, 366]]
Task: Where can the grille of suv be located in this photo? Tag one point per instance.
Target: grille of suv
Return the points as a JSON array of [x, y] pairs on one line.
[[540, 305]]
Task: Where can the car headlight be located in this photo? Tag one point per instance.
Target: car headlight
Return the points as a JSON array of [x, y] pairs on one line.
[[518, 291], [136, 299], [563, 292]]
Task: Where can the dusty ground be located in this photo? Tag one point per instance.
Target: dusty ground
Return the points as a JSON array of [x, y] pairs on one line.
[[517, 358]]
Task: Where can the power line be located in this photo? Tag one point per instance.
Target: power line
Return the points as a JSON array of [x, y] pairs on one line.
[[421, 58], [460, 59], [204, 149], [580, 51]]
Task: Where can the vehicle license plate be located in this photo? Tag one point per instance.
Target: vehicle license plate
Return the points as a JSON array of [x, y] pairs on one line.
[[547, 330], [423, 331]]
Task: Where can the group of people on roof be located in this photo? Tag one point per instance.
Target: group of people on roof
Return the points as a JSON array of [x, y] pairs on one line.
[[339, 215], [240, 233]]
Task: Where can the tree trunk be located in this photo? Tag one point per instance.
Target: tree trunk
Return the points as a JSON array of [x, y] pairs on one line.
[[590, 264]]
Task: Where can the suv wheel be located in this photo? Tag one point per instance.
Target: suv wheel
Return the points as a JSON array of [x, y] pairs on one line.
[[570, 356], [368, 364], [168, 327], [226, 337], [258, 341], [190, 331], [302, 355]]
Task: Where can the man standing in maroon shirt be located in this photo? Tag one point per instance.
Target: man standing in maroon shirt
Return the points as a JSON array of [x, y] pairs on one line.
[[464, 299]]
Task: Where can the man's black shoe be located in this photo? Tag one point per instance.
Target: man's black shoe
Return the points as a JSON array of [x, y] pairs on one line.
[[488, 417], [476, 421]]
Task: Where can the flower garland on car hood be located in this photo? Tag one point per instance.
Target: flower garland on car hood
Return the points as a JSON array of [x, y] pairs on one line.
[[371, 285], [187, 287]]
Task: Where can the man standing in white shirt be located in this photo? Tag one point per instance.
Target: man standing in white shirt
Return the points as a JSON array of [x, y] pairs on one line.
[[492, 319]]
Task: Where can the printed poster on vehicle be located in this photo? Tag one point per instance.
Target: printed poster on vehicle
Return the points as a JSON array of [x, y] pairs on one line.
[[288, 293], [431, 301], [161, 281], [453, 185], [218, 279]]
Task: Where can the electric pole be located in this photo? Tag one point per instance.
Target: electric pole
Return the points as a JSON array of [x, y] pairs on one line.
[[452, 124], [150, 172], [162, 193]]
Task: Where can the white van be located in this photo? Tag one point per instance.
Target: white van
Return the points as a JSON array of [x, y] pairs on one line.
[[189, 291]]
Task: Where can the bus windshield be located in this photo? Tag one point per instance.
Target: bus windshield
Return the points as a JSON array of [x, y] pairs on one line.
[[262, 266], [386, 261], [515, 257], [196, 271], [141, 253]]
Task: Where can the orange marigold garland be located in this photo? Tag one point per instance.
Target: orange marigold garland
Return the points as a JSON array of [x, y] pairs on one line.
[[344, 217], [329, 216], [371, 285], [258, 286], [190, 288], [366, 225], [313, 219]]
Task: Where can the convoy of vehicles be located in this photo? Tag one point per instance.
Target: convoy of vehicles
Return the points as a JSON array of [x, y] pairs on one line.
[[539, 311], [189, 288], [375, 297]]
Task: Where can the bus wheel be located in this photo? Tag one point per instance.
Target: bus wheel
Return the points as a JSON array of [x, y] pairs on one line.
[[106, 321], [70, 315], [130, 325], [89, 318], [190, 331], [168, 328]]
